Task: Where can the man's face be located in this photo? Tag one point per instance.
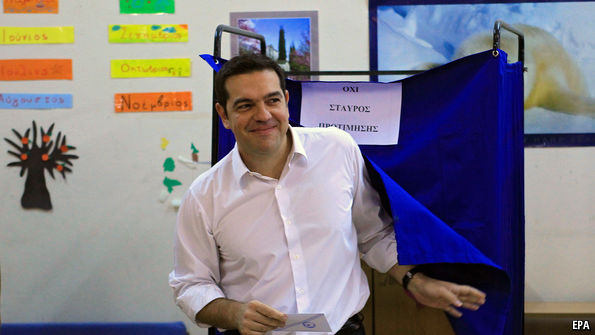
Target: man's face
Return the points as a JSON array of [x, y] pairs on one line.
[[257, 113]]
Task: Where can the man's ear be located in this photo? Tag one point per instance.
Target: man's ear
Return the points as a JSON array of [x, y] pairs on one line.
[[222, 115], [286, 96]]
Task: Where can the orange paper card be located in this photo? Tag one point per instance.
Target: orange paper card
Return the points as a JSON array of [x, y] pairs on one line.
[[153, 102], [31, 6], [35, 69]]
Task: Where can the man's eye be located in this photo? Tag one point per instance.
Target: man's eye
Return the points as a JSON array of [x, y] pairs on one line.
[[243, 107], [274, 100]]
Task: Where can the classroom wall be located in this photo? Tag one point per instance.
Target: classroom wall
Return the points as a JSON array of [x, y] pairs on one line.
[[104, 252]]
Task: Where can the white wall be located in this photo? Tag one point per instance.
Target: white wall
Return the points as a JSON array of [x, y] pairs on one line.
[[103, 253]]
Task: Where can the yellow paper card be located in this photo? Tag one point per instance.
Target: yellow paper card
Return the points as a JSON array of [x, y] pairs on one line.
[[142, 68], [147, 33], [36, 35]]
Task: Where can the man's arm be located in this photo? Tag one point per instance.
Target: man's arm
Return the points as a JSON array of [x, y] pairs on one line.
[[249, 318], [439, 294]]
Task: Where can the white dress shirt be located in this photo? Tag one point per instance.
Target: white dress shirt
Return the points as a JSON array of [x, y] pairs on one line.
[[292, 243]]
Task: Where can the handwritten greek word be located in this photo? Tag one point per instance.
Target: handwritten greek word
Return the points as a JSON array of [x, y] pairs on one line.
[[147, 6], [35, 101], [36, 35], [31, 6], [348, 108], [143, 33], [35, 69], [351, 127], [153, 102], [137, 68]]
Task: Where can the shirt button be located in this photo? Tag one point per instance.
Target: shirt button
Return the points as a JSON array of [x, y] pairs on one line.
[[288, 221], [278, 187], [296, 256], [300, 291]]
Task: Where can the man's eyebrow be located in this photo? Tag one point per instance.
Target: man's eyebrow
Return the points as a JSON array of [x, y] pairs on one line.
[[267, 96], [240, 100], [273, 94]]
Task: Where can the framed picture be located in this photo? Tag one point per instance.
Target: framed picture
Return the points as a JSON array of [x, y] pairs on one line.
[[559, 83], [291, 38]]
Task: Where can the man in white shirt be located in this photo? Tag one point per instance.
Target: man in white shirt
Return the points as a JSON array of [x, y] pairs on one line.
[[279, 224]]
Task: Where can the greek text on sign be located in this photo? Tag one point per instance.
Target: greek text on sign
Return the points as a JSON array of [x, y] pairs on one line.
[[36, 35], [153, 102], [31, 6], [145, 33], [34, 101], [370, 112], [35, 69], [143, 68]]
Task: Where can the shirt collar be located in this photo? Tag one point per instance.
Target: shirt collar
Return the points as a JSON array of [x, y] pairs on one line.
[[240, 170]]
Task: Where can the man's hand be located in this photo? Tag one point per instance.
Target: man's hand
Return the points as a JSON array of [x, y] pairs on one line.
[[445, 295], [254, 318], [250, 318]]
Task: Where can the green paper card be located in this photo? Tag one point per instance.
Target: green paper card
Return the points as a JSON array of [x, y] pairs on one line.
[[147, 6]]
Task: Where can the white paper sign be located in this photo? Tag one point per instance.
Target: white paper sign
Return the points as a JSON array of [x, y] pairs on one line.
[[370, 112], [316, 323]]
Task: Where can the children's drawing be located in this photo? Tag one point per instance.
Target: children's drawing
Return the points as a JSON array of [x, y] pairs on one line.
[[34, 159]]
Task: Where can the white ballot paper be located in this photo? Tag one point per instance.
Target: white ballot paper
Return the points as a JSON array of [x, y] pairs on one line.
[[313, 323]]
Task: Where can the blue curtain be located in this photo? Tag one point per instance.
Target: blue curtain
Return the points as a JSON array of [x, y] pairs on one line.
[[454, 182]]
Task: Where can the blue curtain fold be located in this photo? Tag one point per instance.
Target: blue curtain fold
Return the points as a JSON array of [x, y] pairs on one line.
[[454, 182]]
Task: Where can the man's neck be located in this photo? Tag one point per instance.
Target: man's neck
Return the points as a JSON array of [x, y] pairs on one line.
[[269, 165]]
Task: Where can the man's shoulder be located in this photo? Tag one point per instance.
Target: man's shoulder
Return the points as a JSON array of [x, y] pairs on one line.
[[206, 180], [330, 135]]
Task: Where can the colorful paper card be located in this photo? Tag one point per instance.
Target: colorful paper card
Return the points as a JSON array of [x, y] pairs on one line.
[[147, 6], [153, 102], [31, 6], [143, 68], [147, 33], [36, 35], [35, 69], [35, 101]]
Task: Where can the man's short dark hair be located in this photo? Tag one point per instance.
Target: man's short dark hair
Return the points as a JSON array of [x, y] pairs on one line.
[[242, 64]]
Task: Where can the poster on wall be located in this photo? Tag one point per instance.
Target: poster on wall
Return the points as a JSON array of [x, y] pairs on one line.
[[559, 54], [31, 6], [291, 38]]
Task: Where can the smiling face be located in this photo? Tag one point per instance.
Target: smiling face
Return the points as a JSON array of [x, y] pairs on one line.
[[256, 112]]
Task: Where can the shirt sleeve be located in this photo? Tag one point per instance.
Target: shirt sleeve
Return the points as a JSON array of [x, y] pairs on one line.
[[375, 233], [196, 260]]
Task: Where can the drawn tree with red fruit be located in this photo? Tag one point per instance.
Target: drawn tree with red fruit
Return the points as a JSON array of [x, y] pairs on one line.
[[35, 159]]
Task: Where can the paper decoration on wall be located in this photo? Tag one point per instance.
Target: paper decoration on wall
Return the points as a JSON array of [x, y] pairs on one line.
[[170, 183], [36, 35], [147, 33], [153, 102], [142, 68], [169, 165], [195, 153], [35, 101], [164, 143], [147, 6], [31, 6], [35, 69], [34, 159]]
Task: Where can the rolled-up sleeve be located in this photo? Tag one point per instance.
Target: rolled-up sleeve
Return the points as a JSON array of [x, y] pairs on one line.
[[196, 261], [375, 232]]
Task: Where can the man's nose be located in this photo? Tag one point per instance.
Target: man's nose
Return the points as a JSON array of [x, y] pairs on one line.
[[262, 112]]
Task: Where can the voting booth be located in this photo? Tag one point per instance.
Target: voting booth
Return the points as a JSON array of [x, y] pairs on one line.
[[444, 149]]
